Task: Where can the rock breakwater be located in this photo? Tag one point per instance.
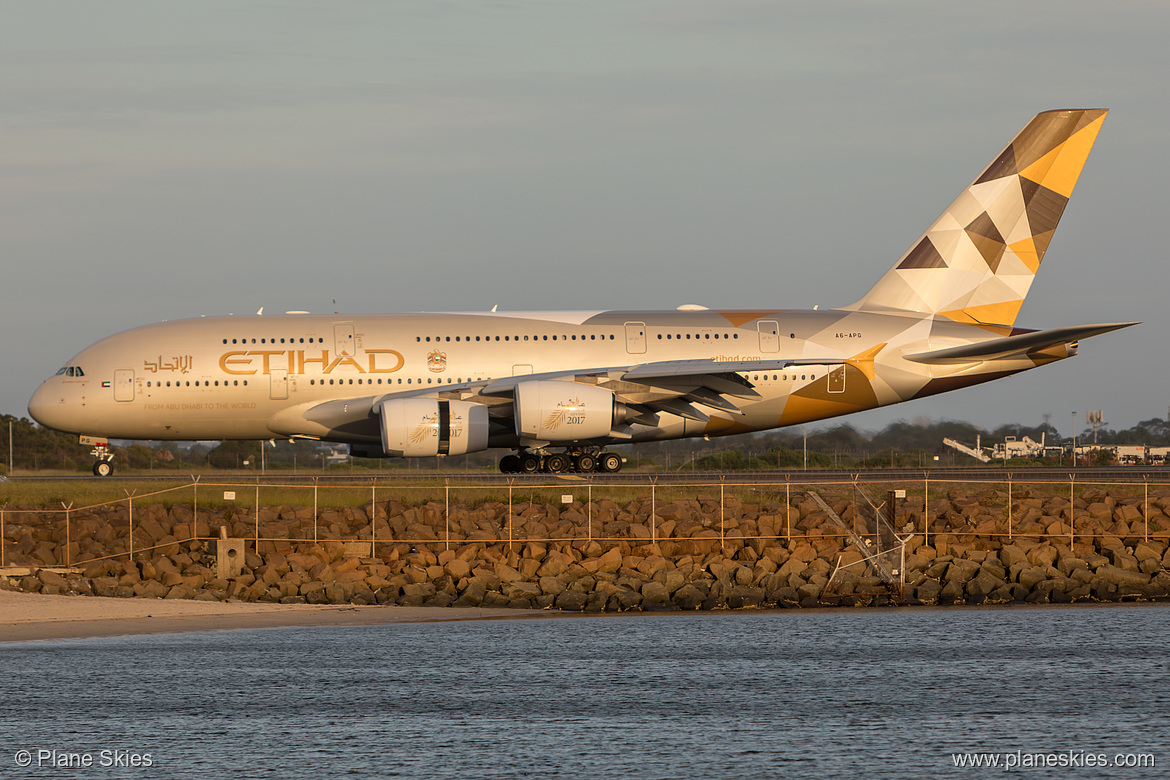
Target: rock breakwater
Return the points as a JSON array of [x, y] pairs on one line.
[[965, 547]]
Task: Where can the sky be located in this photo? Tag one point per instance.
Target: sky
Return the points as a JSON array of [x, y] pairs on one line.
[[170, 160]]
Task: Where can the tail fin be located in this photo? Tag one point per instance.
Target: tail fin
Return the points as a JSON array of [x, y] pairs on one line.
[[976, 262]]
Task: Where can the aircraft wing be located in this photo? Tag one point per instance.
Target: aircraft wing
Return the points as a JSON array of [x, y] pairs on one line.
[[1011, 346], [691, 368], [682, 387]]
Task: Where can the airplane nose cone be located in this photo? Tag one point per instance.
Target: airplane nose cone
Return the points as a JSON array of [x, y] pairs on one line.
[[47, 407]]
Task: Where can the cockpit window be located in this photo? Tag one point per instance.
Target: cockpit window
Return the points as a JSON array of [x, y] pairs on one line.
[[70, 371], [79, 371], [62, 370]]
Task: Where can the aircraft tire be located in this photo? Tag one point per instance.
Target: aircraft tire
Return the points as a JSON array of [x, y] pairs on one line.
[[509, 464], [529, 463], [103, 468], [586, 463], [610, 462], [556, 464]]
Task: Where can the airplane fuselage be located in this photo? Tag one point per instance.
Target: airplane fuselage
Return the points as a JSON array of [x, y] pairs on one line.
[[231, 377]]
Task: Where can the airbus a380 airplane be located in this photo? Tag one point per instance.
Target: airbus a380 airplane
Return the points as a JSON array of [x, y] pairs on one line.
[[558, 387]]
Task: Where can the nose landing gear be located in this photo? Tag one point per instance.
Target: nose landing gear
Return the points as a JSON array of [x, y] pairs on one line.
[[572, 460], [101, 450]]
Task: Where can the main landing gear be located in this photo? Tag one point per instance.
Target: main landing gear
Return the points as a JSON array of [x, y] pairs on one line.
[[573, 460]]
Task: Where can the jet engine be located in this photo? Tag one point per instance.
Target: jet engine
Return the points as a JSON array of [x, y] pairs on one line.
[[425, 427], [553, 411]]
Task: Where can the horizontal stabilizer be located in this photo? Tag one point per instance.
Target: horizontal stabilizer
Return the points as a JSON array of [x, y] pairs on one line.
[[1013, 345]]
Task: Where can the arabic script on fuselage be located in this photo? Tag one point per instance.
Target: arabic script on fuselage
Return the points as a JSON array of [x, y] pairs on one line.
[[178, 363]]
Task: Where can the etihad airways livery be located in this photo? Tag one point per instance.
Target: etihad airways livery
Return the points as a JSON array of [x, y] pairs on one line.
[[558, 387]]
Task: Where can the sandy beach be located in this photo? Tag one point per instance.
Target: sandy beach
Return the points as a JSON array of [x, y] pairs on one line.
[[31, 616]]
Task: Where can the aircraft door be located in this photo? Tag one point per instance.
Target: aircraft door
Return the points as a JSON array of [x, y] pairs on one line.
[[636, 338], [837, 379], [278, 384], [343, 340], [769, 336], [124, 384]]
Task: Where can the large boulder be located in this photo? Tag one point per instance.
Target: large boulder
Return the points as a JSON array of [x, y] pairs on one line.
[[571, 600], [1122, 578], [689, 597]]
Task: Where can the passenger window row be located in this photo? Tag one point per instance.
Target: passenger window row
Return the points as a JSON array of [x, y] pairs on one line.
[[244, 382], [592, 337], [783, 377], [197, 383], [401, 381], [698, 336], [313, 340]]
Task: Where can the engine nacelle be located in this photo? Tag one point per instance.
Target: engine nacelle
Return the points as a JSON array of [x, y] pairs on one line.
[[366, 451], [425, 427], [563, 411]]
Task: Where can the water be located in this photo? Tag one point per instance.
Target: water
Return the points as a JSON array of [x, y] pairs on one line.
[[748, 695]]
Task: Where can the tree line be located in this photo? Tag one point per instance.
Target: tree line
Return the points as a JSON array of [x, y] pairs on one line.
[[900, 444]]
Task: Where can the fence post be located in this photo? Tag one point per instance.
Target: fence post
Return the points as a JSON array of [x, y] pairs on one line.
[[855, 488], [1071, 525], [2, 506], [653, 510], [1009, 506], [314, 506], [721, 511], [511, 481], [589, 513], [1146, 506], [902, 573], [373, 517], [194, 508], [130, 516], [788, 507], [68, 557], [926, 508], [447, 514], [257, 515]]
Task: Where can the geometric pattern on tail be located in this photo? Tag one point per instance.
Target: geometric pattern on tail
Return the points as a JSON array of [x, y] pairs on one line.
[[976, 263]]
